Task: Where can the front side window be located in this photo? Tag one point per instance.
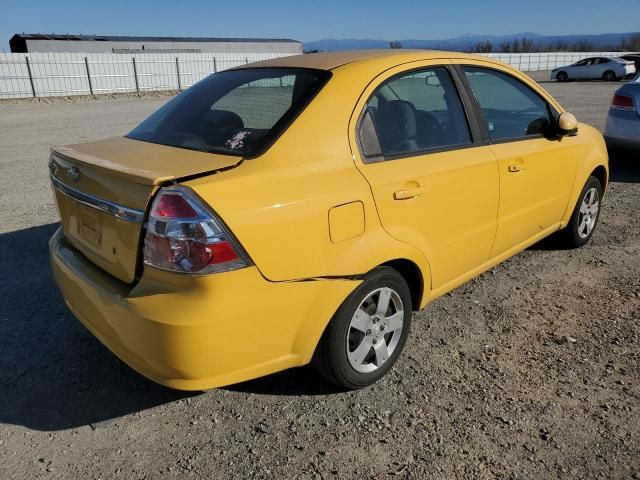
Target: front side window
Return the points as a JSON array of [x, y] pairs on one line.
[[414, 112], [235, 112], [510, 108]]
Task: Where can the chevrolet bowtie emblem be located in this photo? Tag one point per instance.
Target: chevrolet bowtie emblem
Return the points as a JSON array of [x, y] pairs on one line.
[[53, 168], [74, 173]]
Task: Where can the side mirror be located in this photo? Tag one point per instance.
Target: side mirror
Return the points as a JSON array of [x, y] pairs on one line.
[[567, 124], [433, 81]]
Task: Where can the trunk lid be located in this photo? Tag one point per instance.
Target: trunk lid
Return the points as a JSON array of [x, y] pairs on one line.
[[103, 188]]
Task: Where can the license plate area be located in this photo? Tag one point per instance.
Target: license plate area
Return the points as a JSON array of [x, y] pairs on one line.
[[89, 226]]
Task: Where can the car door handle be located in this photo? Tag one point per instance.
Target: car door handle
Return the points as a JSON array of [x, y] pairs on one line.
[[409, 193], [514, 167]]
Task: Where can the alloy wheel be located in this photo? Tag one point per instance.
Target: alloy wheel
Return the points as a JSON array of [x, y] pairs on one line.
[[375, 330], [588, 214]]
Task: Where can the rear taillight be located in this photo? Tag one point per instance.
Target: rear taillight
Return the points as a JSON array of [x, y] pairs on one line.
[[623, 102], [184, 235]]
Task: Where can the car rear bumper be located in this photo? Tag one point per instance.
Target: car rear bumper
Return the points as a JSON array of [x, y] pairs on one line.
[[623, 129], [196, 333]]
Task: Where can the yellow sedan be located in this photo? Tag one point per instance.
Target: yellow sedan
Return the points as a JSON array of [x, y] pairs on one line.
[[298, 210]]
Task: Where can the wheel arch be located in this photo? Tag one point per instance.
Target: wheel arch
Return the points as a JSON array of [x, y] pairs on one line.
[[594, 164], [412, 275], [417, 278], [601, 174]]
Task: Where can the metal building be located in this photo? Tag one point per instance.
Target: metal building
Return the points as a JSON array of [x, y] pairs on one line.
[[38, 42]]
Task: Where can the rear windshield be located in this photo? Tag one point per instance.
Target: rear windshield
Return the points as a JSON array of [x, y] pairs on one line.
[[235, 112]]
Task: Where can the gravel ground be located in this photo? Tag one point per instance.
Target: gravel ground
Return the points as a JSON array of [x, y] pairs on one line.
[[529, 371]]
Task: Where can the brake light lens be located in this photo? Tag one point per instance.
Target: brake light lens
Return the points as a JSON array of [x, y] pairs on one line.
[[172, 205], [623, 102], [184, 235]]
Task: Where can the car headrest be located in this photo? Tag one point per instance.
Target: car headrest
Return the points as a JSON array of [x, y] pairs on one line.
[[398, 120], [222, 119]]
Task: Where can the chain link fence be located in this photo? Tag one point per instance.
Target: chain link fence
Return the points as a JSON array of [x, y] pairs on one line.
[[65, 74]]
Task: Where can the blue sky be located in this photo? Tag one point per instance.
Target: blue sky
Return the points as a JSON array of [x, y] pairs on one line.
[[314, 20]]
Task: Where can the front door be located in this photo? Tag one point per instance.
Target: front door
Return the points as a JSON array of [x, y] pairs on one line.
[[536, 172], [433, 186], [586, 70]]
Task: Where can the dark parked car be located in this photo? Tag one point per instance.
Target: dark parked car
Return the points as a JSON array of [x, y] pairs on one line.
[[633, 57]]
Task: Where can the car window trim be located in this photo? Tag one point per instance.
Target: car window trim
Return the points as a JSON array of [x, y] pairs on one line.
[[524, 138], [475, 125], [472, 121], [473, 104], [551, 111], [418, 153]]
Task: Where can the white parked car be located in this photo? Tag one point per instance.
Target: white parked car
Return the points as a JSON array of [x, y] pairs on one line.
[[595, 68]]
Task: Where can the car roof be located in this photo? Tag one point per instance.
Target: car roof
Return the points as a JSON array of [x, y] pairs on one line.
[[331, 60], [602, 56]]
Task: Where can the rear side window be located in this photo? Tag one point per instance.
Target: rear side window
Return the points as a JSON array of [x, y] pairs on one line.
[[510, 108], [414, 112], [235, 112]]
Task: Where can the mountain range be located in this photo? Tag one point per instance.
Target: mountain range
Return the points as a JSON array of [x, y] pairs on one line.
[[468, 41]]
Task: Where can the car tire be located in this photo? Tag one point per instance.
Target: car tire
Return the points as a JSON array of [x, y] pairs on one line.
[[585, 216], [609, 76], [562, 77], [342, 356]]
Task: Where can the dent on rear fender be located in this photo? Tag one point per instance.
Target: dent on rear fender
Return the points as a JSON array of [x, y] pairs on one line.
[[319, 312]]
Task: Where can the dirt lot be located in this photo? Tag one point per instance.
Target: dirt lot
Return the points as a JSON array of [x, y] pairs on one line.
[[530, 371]]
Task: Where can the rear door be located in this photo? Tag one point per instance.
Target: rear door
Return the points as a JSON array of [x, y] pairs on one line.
[[434, 183], [601, 65], [536, 172]]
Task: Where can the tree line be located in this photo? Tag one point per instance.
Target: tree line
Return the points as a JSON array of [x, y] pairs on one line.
[[526, 45]]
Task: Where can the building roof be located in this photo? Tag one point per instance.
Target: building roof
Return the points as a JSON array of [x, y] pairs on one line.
[[125, 38], [331, 60]]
